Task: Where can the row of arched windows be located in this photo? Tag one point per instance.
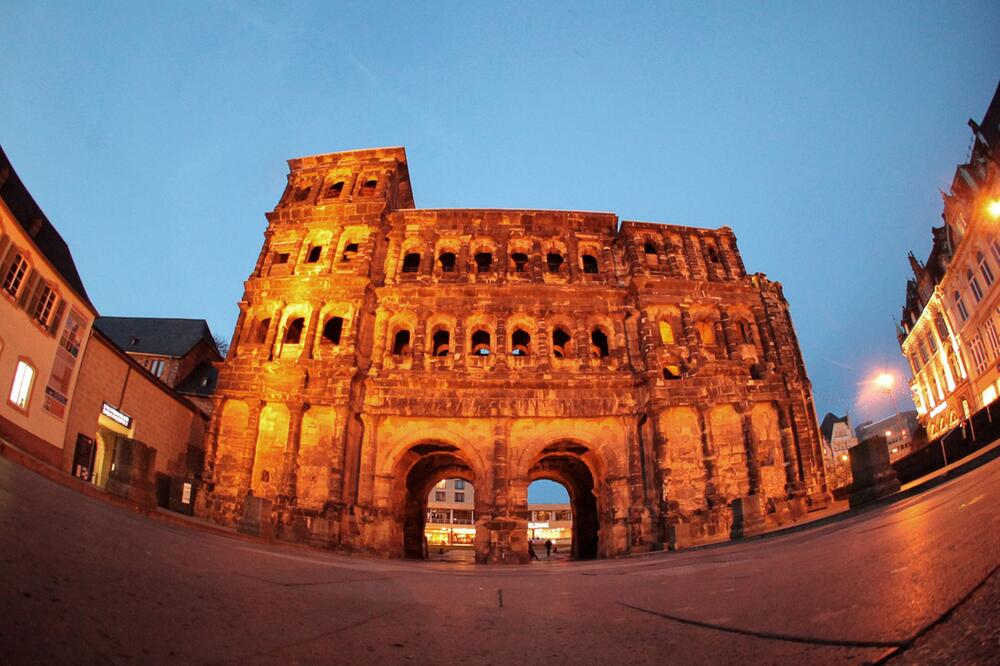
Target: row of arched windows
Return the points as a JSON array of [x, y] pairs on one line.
[[485, 262], [332, 189]]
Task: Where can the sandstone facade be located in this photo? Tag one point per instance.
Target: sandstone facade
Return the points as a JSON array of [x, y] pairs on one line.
[[381, 348]]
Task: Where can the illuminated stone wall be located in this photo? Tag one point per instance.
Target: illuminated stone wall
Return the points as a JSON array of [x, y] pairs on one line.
[[381, 348]]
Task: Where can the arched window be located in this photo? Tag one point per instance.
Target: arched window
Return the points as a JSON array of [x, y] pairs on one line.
[[984, 268], [401, 343], [332, 330], [481, 343], [302, 192], [483, 262], [713, 254], [671, 372], [447, 260], [649, 247], [260, 334], [520, 343], [293, 334], [441, 342], [746, 333], [666, 333], [589, 264], [350, 250], [335, 189], [598, 344], [411, 263], [561, 341], [314, 253], [554, 261], [368, 189], [520, 261], [960, 304], [977, 291]]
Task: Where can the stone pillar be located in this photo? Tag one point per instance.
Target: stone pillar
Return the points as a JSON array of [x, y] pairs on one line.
[[458, 343], [581, 339], [536, 262], [750, 448], [619, 351], [633, 256], [429, 259], [502, 258], [379, 342], [543, 344], [212, 440], [272, 331], [725, 256], [648, 343], [337, 456], [309, 340], [419, 334], [689, 333], [264, 258], [695, 263], [290, 462], [709, 457], [500, 344], [573, 258], [237, 342], [728, 335], [462, 267], [369, 455], [873, 475], [793, 465], [249, 452]]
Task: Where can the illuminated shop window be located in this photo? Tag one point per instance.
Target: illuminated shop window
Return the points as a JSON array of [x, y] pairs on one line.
[[20, 390]]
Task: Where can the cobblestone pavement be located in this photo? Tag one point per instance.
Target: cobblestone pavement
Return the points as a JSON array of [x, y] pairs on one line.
[[88, 582]]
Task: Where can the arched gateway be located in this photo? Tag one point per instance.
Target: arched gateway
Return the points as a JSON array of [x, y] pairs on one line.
[[382, 348]]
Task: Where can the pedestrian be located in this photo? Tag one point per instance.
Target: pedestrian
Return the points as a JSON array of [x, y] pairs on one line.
[[548, 547], [532, 555]]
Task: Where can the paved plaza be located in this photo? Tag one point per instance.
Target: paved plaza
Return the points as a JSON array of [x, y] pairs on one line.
[[88, 582]]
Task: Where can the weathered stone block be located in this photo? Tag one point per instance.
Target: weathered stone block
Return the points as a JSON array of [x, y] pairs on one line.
[[748, 516], [873, 476], [257, 518]]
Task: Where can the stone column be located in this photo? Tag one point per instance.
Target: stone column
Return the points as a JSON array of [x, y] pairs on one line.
[[272, 331], [337, 456], [750, 449], [619, 351], [500, 344], [689, 333], [462, 267], [573, 258], [728, 335], [458, 344], [502, 257], [581, 336], [290, 462], [429, 258], [418, 340], [726, 257], [249, 453], [536, 261], [793, 465], [695, 263], [309, 340], [369, 456], [542, 344], [709, 457], [633, 257], [212, 438]]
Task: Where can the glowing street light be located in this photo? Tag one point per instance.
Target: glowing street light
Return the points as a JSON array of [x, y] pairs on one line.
[[993, 209]]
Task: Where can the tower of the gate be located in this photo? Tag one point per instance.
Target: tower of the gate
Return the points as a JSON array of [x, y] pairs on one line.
[[382, 348]]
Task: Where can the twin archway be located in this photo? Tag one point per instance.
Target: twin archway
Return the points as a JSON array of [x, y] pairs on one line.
[[501, 504]]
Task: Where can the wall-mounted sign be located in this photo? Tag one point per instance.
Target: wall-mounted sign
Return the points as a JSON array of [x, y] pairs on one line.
[[532, 526], [116, 415]]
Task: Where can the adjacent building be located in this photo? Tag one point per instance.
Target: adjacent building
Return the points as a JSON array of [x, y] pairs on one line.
[[838, 437], [903, 433], [45, 322], [950, 327]]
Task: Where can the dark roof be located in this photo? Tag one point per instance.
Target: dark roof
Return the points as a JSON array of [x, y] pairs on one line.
[[153, 335], [37, 226], [826, 428], [192, 384]]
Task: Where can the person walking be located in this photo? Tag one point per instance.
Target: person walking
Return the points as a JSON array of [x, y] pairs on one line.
[[548, 547], [532, 555]]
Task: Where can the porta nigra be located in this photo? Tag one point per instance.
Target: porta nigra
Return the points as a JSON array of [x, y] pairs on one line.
[[381, 348]]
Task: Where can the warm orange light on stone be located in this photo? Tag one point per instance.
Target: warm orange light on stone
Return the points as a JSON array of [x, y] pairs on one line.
[[382, 348]]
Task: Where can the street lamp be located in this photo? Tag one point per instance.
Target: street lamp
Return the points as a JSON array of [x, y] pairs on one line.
[[993, 209], [887, 383]]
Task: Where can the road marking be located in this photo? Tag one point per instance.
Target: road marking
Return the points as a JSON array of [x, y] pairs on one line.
[[975, 499], [899, 570]]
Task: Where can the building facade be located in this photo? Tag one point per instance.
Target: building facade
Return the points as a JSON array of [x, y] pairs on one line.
[[382, 348], [838, 437], [950, 329], [903, 433], [451, 514], [45, 320]]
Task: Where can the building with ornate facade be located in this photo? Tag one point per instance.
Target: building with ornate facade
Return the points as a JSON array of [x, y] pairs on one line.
[[381, 348], [950, 329]]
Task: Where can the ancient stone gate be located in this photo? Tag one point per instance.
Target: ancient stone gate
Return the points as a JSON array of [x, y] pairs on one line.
[[382, 348]]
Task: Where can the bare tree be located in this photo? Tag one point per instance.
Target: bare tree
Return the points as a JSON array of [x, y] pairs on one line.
[[222, 344]]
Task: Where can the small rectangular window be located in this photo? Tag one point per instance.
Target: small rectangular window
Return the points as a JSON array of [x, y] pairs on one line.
[[20, 390], [459, 484], [459, 497], [439, 496]]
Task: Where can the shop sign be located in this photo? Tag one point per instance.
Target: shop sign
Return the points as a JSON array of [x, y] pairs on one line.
[[116, 415], [533, 526]]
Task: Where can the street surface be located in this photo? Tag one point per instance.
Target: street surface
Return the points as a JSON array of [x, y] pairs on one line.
[[88, 582]]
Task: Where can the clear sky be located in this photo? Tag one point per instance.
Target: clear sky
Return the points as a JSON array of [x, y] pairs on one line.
[[155, 135]]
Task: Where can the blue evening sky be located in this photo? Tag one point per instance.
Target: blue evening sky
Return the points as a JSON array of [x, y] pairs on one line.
[[155, 135]]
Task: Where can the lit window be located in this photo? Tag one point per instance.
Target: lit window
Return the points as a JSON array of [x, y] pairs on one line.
[[314, 254], [977, 291], [15, 275], [20, 390], [43, 308], [984, 268], [666, 333], [962, 312], [459, 484]]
